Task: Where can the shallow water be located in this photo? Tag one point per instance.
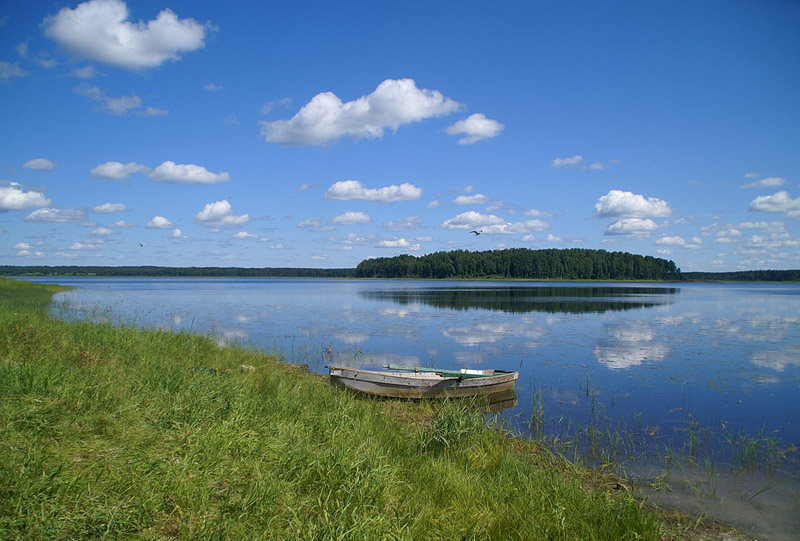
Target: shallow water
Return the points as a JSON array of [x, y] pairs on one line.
[[696, 384]]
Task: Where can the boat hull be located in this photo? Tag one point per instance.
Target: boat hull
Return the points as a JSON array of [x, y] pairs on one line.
[[421, 385]]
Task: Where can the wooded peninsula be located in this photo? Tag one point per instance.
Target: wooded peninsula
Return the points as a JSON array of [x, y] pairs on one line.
[[512, 264]]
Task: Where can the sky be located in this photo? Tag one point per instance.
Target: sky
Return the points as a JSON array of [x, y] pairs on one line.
[[320, 134]]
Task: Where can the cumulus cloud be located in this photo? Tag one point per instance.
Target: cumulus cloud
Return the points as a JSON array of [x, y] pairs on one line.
[[566, 162], [100, 30], [677, 240], [475, 128], [477, 199], [220, 214], [350, 218], [186, 174], [403, 224], [109, 208], [14, 197], [116, 106], [52, 215], [349, 190], [244, 235], [117, 170], [778, 202], [159, 222], [631, 226], [492, 224], [621, 204], [399, 243], [769, 182], [326, 118], [41, 164], [8, 71]]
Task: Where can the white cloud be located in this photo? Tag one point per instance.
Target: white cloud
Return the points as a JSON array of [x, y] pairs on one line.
[[86, 72], [403, 224], [115, 106], [103, 232], [477, 199], [492, 224], [769, 182], [109, 208], [51, 215], [777, 202], [350, 218], [475, 128], [186, 174], [178, 234], [312, 222], [78, 246], [244, 235], [677, 240], [13, 197], [41, 164], [117, 170], [159, 222], [471, 220], [399, 243], [566, 162], [220, 214], [7, 71], [621, 204], [349, 190], [326, 118], [100, 30], [631, 226], [153, 112]]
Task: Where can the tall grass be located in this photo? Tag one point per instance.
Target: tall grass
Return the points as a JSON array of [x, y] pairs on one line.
[[118, 432]]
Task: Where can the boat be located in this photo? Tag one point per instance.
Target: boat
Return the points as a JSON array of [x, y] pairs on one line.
[[420, 382]]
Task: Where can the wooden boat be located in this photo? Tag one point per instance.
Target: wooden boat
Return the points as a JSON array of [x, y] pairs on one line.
[[417, 382]]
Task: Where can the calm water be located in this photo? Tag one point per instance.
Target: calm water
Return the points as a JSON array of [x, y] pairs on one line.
[[697, 384]]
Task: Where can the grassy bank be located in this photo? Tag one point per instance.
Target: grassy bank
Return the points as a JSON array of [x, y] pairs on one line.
[[119, 432]]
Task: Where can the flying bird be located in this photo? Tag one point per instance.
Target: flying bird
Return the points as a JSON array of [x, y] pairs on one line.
[[477, 232]]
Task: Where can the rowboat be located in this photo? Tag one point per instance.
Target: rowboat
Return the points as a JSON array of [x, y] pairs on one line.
[[418, 382]]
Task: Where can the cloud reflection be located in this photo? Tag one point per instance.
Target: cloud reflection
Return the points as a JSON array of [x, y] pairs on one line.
[[630, 345], [489, 333]]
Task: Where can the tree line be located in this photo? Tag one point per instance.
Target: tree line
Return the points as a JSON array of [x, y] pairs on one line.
[[522, 263], [745, 276], [152, 271]]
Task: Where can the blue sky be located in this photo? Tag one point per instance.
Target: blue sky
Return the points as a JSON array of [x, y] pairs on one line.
[[319, 134]]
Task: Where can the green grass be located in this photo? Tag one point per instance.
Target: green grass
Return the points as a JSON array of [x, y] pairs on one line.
[[123, 433]]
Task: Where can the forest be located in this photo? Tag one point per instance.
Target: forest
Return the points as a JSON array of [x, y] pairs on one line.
[[514, 263], [152, 271], [523, 264]]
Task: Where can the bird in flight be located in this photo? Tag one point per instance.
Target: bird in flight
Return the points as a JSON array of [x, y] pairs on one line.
[[477, 232]]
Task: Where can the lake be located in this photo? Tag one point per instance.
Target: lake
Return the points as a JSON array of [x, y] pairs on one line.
[[694, 386]]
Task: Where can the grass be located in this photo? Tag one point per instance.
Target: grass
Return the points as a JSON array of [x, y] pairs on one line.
[[115, 432]]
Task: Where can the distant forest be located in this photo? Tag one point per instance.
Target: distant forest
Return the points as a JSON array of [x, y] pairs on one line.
[[744, 276], [218, 272], [524, 264], [516, 263]]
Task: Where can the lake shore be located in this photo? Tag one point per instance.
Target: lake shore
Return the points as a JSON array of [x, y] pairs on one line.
[[125, 432]]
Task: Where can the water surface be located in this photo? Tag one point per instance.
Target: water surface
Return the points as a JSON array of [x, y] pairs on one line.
[[696, 384]]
